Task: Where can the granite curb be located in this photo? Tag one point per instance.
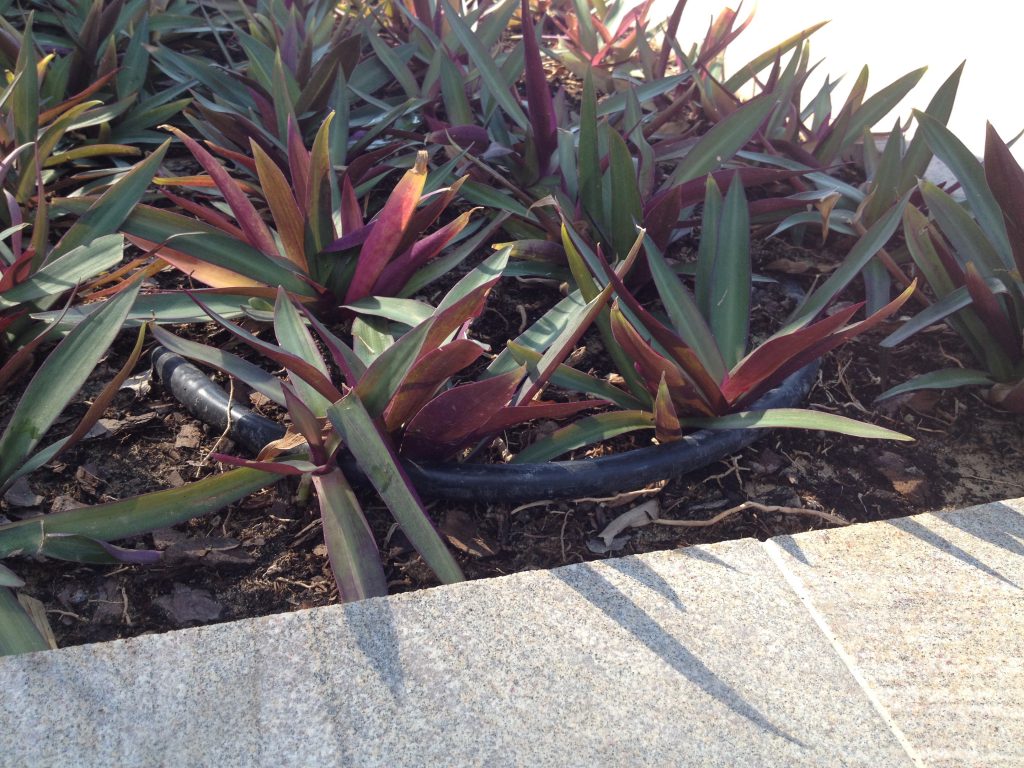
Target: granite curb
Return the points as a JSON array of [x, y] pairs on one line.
[[896, 643]]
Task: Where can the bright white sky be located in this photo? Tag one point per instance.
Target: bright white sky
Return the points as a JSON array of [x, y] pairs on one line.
[[894, 37]]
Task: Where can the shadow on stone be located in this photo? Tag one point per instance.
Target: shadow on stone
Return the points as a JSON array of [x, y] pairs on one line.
[[375, 635], [700, 553], [911, 526], [789, 545], [640, 571], [1005, 531], [602, 594]]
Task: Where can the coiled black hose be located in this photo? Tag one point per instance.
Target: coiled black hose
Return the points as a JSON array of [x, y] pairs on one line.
[[507, 483]]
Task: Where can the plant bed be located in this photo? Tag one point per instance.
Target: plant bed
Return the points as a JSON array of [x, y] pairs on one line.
[[266, 554], [403, 242]]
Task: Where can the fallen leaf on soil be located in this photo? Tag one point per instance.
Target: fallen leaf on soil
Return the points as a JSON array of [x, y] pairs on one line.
[[189, 436], [258, 400], [768, 462], [103, 428], [181, 548], [907, 480], [186, 605], [87, 478], [799, 266], [109, 604], [64, 503], [1009, 397], [21, 495], [609, 540], [464, 534], [139, 385], [923, 401], [109, 427]]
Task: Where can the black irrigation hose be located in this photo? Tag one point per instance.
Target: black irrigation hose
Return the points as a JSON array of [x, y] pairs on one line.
[[508, 483]]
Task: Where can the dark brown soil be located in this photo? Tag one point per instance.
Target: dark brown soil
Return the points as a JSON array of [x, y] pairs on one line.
[[266, 554]]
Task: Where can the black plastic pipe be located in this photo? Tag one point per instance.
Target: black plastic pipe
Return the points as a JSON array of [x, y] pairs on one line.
[[508, 483]]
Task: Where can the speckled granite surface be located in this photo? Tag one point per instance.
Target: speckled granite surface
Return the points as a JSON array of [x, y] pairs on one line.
[[890, 644], [932, 610]]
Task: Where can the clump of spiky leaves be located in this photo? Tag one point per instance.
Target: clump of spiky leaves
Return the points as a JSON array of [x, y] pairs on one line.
[[34, 274], [695, 370], [57, 381], [394, 396], [298, 61], [319, 246], [971, 254], [93, 79]]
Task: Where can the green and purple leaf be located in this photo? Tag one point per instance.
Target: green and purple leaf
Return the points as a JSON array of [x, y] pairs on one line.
[[256, 232], [377, 459], [355, 559], [538, 93], [389, 229], [1006, 179], [454, 418], [655, 368], [584, 432], [667, 428], [797, 418], [429, 373]]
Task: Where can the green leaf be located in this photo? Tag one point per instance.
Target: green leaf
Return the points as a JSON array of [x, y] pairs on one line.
[[583, 432], [573, 379], [385, 374], [969, 241], [8, 578], [938, 311], [139, 514], [132, 74], [539, 336], [730, 278], [745, 73], [453, 92], [869, 244], [65, 272], [949, 378], [18, 633], [166, 308], [919, 155], [405, 311], [722, 142], [617, 101], [626, 207], [708, 248], [484, 62], [293, 337], [588, 35], [481, 194], [25, 101], [205, 243], [971, 175], [885, 180], [487, 272], [880, 105], [390, 59], [589, 156], [60, 378], [448, 262], [108, 213], [796, 418], [684, 314], [378, 460]]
